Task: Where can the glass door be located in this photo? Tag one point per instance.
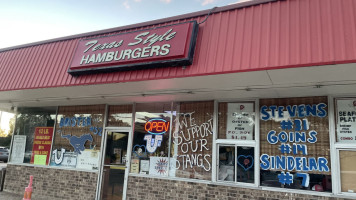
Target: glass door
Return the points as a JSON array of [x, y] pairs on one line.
[[113, 175]]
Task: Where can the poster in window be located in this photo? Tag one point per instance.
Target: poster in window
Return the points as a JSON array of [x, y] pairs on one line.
[[18, 149], [64, 159], [117, 153], [346, 120], [42, 145], [144, 166], [135, 166], [158, 166], [240, 121], [88, 159]]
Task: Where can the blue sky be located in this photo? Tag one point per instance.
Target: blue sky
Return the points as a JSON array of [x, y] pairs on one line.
[[26, 21]]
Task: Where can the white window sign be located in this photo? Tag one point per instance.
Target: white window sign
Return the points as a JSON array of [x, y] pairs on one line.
[[18, 149], [88, 159], [158, 166], [346, 120], [240, 121]]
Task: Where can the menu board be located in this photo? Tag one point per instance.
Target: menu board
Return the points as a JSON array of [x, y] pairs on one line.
[[18, 149]]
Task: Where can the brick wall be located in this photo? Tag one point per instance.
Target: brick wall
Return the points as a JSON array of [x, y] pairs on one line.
[[159, 189], [51, 183]]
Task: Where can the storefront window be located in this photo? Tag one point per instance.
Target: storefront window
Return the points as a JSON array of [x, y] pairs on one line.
[[77, 140], [236, 121], [236, 142], [33, 135], [192, 140], [227, 163], [173, 139], [348, 171], [294, 143], [120, 116], [345, 110], [151, 139], [236, 164]]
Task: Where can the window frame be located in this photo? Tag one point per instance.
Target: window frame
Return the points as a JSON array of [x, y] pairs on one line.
[[339, 172], [337, 147], [238, 143], [131, 142]]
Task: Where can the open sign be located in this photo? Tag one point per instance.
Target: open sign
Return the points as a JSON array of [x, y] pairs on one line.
[[157, 126]]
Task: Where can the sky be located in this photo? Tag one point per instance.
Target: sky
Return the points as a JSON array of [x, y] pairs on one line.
[[26, 21], [5, 120]]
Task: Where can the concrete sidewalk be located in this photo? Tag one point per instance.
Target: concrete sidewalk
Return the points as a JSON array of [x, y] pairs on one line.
[[10, 196]]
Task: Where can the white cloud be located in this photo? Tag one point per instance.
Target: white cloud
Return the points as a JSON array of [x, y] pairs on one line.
[[206, 2], [166, 1], [137, 0], [126, 5]]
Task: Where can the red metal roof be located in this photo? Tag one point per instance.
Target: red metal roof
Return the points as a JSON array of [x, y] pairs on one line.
[[272, 35]]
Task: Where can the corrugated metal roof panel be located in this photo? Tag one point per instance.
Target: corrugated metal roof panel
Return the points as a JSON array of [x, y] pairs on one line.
[[273, 35]]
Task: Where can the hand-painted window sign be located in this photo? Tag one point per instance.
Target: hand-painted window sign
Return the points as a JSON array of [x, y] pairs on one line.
[[74, 121], [157, 126], [78, 142], [292, 141], [171, 45]]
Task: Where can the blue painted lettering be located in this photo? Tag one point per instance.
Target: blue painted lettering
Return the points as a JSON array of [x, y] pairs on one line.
[[310, 110], [323, 164], [321, 110], [273, 110], [281, 162], [292, 110], [264, 162], [271, 137], [312, 137], [264, 114], [301, 110]]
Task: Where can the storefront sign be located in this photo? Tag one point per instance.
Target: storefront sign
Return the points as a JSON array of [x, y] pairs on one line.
[[240, 121], [346, 120], [42, 145], [18, 149], [159, 47]]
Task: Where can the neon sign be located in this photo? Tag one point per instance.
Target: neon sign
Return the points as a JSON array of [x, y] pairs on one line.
[[157, 126]]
